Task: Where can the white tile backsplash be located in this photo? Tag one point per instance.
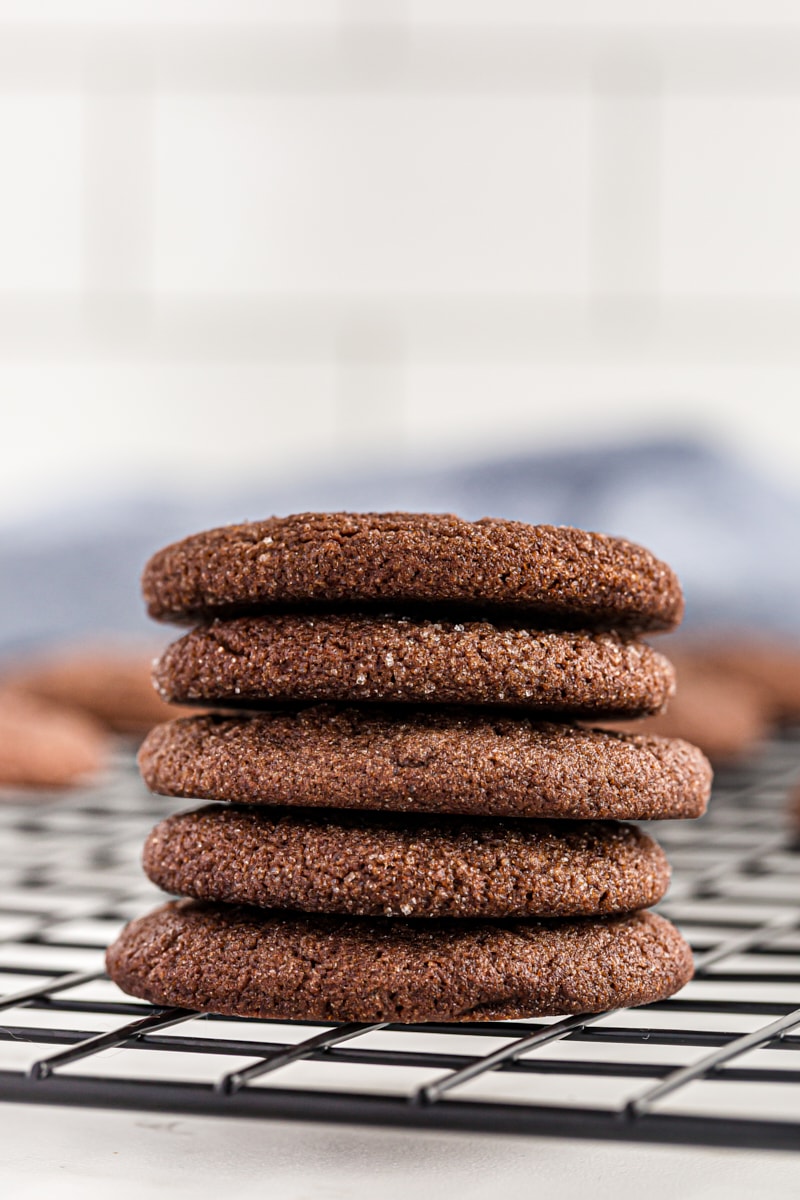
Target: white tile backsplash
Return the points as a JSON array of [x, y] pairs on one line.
[[415, 229], [384, 195], [730, 196], [41, 198]]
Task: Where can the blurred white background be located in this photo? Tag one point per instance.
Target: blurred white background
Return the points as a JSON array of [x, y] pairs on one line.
[[251, 238]]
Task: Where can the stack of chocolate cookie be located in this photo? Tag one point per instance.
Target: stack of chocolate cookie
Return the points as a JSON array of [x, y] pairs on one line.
[[409, 823]]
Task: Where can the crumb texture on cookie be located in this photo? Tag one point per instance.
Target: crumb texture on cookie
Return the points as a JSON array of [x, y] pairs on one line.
[[248, 660], [562, 576], [395, 865], [426, 761], [245, 962]]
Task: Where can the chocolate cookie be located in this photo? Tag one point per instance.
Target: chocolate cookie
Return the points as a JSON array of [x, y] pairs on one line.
[[559, 576], [300, 658], [793, 813], [726, 722], [43, 746], [244, 962], [385, 865], [112, 685], [425, 761], [769, 665]]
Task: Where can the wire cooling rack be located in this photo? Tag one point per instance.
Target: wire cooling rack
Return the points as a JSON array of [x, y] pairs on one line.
[[716, 1065]]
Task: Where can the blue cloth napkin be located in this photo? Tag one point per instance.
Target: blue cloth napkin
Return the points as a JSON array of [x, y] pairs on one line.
[[731, 535]]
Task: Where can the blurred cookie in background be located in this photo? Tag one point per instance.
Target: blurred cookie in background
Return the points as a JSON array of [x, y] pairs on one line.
[[726, 717], [110, 684], [793, 811], [770, 664], [43, 746]]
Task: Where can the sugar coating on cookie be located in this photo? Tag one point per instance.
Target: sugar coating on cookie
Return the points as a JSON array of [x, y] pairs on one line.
[[249, 963], [396, 865], [248, 660], [426, 761], [561, 576]]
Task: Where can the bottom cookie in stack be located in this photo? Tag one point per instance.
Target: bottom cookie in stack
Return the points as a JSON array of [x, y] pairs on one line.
[[246, 962]]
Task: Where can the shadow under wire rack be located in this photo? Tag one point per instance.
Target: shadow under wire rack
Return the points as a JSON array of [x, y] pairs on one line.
[[718, 1064]]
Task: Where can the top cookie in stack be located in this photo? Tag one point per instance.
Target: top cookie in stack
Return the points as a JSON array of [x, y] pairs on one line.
[[553, 576], [419, 665]]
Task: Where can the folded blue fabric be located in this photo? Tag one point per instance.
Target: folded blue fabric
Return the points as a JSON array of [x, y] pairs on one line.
[[730, 534]]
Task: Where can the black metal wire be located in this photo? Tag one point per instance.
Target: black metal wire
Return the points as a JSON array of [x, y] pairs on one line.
[[326, 1040], [699, 1068]]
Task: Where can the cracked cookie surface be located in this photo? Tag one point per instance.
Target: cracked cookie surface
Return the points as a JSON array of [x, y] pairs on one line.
[[246, 962], [426, 761], [395, 865], [553, 575], [252, 660]]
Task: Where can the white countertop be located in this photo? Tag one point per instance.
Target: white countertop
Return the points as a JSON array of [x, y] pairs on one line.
[[60, 1153]]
